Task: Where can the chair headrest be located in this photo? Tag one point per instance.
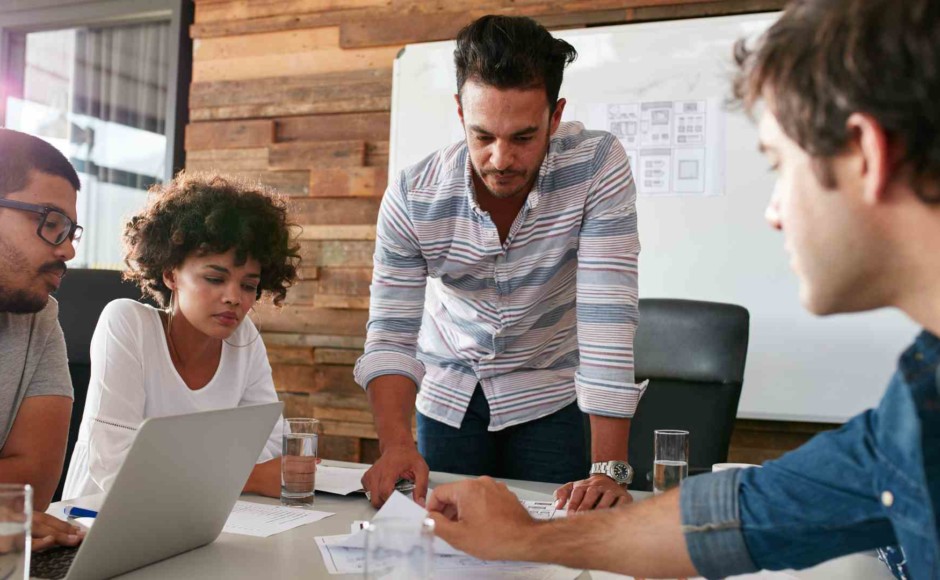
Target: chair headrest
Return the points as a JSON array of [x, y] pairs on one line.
[[691, 340], [82, 296]]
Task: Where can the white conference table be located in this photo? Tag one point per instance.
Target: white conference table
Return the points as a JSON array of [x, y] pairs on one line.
[[294, 554]]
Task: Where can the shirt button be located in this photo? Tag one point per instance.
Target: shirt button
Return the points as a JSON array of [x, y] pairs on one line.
[[887, 498]]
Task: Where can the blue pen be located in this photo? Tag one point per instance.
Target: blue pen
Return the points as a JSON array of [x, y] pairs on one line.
[[77, 512]]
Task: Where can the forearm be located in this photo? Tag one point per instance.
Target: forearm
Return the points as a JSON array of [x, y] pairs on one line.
[[265, 478], [643, 539], [23, 470], [610, 438], [392, 398]]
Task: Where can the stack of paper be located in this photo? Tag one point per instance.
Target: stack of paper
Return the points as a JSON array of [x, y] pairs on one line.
[[346, 554]]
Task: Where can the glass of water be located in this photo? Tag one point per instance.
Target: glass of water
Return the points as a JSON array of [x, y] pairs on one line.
[[399, 549], [670, 459], [299, 462], [16, 514]]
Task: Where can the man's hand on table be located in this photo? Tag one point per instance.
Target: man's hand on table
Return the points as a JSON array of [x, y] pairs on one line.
[[50, 531], [481, 517], [396, 462], [596, 492]]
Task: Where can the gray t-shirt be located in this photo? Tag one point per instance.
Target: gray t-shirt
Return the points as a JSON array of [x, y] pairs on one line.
[[32, 361]]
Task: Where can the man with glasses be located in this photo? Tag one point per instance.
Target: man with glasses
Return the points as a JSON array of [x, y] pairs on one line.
[[38, 189]]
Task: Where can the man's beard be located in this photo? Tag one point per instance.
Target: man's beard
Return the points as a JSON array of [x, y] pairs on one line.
[[482, 175], [20, 300]]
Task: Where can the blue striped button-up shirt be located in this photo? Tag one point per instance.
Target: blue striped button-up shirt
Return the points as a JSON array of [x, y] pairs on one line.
[[542, 320]]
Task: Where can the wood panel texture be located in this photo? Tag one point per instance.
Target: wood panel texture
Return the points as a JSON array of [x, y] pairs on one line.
[[296, 95]]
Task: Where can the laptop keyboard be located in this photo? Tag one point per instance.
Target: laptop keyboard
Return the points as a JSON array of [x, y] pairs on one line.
[[52, 564]]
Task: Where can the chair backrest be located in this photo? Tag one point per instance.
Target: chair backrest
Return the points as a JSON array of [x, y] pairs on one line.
[[693, 354], [82, 296]]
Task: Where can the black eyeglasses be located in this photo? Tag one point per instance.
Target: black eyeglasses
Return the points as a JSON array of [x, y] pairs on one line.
[[54, 228]]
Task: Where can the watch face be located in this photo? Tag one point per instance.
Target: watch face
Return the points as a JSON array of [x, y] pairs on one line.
[[620, 472]]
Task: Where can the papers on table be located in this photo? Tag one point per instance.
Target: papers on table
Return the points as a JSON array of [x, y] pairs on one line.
[[346, 554], [263, 520], [400, 507], [543, 510], [340, 559], [339, 480]]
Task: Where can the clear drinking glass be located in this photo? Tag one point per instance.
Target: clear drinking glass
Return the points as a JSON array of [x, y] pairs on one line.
[[670, 459], [16, 515], [299, 462], [398, 549]]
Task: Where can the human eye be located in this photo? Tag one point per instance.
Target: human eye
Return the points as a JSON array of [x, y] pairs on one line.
[[213, 280], [249, 288], [52, 222]]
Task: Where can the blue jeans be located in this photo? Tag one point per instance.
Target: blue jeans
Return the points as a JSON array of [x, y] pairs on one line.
[[551, 449]]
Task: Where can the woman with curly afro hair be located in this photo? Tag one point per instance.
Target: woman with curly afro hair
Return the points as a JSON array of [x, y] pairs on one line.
[[205, 249]]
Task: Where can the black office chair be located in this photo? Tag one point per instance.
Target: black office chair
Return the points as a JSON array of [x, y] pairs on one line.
[[82, 297], [693, 354]]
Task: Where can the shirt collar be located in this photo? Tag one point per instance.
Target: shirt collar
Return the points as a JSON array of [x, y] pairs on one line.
[[920, 364]]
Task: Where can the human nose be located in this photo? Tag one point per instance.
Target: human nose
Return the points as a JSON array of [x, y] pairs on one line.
[[772, 213], [65, 251], [501, 157], [232, 294]]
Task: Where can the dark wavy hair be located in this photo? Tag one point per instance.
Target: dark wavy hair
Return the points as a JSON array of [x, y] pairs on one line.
[[826, 59], [512, 52], [210, 214]]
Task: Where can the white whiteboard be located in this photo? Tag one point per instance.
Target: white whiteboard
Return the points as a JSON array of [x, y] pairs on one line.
[[718, 248]]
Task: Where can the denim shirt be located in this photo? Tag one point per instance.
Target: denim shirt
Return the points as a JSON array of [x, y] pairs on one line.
[[874, 482]]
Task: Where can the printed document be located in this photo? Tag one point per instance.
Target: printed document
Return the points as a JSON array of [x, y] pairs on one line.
[[263, 520]]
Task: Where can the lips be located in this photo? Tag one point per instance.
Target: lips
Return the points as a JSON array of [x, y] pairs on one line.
[[54, 278], [226, 318]]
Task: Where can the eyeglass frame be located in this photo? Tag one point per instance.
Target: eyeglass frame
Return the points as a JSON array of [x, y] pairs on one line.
[[44, 211]]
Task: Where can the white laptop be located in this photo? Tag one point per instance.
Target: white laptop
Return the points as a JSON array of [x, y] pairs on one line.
[[174, 492]]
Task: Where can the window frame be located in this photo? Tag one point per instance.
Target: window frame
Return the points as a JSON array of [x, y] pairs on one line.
[[20, 17]]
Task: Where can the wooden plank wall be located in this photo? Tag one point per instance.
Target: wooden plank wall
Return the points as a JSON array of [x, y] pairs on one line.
[[296, 94]]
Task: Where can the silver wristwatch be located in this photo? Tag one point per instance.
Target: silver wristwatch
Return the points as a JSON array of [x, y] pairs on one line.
[[619, 471]]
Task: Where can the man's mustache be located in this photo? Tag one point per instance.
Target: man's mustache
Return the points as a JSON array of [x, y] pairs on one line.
[[58, 268], [503, 173]]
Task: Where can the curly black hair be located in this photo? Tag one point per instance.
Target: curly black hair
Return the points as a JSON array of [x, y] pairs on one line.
[[210, 214]]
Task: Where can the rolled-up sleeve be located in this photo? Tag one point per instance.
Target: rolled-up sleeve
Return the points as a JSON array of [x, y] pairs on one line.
[[812, 504], [607, 293], [712, 525], [399, 279]]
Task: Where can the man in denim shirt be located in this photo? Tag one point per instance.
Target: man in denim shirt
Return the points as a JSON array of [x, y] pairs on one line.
[[851, 123]]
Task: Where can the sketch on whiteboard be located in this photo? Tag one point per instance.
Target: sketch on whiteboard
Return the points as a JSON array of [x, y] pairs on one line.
[[674, 147], [666, 142]]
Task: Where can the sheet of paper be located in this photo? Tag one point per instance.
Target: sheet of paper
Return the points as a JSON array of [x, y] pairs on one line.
[[543, 510], [341, 559], [674, 147], [339, 480], [400, 507], [263, 520]]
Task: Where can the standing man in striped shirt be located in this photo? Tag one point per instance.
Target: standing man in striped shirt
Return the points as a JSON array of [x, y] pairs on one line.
[[504, 294]]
